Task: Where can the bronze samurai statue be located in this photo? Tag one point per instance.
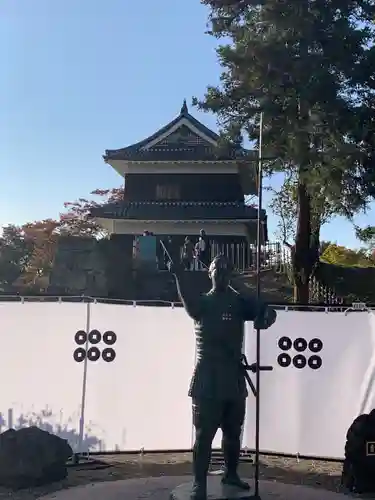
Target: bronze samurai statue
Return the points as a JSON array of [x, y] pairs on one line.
[[218, 387]]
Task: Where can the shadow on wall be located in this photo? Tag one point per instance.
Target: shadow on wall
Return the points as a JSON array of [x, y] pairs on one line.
[[47, 420]]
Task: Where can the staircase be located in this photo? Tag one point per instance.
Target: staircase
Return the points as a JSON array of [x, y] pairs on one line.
[[275, 285], [161, 286]]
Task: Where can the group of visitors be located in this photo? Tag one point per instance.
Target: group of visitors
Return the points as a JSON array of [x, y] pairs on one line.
[[193, 255], [196, 256]]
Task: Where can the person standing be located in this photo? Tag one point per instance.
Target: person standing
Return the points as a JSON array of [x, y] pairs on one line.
[[202, 250], [188, 254]]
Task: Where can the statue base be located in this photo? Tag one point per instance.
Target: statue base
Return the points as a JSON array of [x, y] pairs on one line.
[[215, 491]]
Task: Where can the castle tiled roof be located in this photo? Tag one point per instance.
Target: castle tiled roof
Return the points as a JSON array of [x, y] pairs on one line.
[[183, 139], [153, 210]]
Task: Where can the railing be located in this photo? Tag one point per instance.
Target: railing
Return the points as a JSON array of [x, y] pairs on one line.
[[322, 294], [243, 256], [326, 307]]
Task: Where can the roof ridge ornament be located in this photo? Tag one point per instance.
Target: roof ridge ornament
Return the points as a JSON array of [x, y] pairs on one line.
[[184, 109]]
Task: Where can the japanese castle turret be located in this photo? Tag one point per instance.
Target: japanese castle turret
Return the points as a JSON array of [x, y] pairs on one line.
[[179, 181]]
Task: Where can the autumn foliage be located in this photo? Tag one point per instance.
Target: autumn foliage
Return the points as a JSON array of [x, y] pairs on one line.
[[27, 252], [342, 256], [76, 221]]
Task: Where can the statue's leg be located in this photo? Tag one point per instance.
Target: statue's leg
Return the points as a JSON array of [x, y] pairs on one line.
[[232, 422], [206, 420]]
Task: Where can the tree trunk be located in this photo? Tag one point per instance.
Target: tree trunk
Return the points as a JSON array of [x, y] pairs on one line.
[[315, 244], [302, 261]]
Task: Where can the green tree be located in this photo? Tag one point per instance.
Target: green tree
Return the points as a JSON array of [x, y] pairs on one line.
[[284, 205], [304, 65], [367, 236], [15, 253]]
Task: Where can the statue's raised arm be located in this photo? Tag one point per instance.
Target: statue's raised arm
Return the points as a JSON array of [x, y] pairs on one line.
[[191, 301]]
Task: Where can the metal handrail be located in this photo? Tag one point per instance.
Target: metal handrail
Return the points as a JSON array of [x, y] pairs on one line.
[[355, 307]]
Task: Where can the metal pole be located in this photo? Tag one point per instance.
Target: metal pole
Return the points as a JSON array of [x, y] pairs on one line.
[[84, 386], [258, 289]]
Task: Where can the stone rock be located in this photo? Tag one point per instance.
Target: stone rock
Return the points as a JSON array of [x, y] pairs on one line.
[[31, 457]]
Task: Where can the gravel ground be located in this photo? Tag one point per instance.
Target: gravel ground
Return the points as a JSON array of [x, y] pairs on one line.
[[314, 473]]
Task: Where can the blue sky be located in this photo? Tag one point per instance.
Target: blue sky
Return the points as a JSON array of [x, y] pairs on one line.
[[79, 77]]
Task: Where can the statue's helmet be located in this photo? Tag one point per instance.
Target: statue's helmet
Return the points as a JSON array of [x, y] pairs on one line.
[[220, 263]]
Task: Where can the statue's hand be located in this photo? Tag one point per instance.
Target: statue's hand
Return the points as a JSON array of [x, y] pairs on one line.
[[266, 320]]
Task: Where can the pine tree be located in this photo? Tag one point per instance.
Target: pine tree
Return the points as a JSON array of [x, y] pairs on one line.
[[305, 65], [367, 235]]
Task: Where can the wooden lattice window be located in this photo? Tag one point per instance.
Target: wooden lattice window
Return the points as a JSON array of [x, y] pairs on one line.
[[167, 192]]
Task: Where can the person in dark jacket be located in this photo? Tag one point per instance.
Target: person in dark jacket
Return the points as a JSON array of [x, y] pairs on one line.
[[188, 254], [202, 250]]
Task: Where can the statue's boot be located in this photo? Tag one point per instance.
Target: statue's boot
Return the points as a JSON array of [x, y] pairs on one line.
[[231, 450], [199, 490], [235, 480], [201, 463]]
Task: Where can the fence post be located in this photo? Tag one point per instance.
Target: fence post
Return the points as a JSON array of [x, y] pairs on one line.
[[84, 385]]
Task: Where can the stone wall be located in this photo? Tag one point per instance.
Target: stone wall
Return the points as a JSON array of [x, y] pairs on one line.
[[85, 266], [80, 267]]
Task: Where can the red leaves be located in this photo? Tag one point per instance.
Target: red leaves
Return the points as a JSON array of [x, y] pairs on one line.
[[31, 248], [43, 236], [112, 195], [77, 222]]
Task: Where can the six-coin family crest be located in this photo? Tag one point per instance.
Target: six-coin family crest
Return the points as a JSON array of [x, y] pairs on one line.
[[300, 353], [89, 346]]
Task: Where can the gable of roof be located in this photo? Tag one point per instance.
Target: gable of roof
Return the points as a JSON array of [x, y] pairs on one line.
[[183, 139]]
